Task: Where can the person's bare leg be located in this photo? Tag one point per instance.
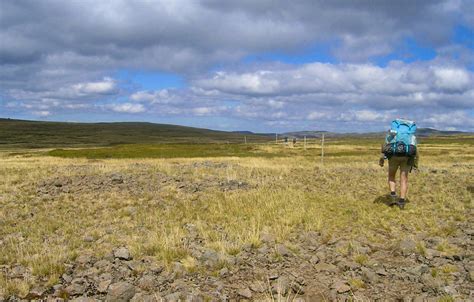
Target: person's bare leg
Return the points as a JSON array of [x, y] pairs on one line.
[[403, 184], [391, 179]]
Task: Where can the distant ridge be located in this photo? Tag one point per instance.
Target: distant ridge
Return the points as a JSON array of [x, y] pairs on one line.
[[40, 134], [421, 132]]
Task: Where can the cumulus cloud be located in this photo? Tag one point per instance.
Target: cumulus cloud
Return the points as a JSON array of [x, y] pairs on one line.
[[127, 108], [107, 86], [42, 113], [62, 56], [354, 94], [455, 119], [388, 87]]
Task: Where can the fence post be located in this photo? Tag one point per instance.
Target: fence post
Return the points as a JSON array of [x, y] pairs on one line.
[[245, 139], [322, 150], [276, 138], [305, 142]]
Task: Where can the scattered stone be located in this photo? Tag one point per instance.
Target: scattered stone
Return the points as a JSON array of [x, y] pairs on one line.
[[314, 259], [246, 293], [450, 290], [341, 287], [257, 287], [67, 278], [381, 271], [88, 238], [116, 178], [83, 299], [346, 265], [470, 275], [122, 253], [121, 291], [178, 269], [430, 283], [369, 276], [58, 184], [75, 289], [297, 288], [147, 282], [155, 269], [282, 250], [281, 286], [135, 266], [103, 286], [273, 277], [173, 297], [83, 259], [224, 272], [233, 185], [101, 264], [419, 299], [58, 289], [407, 246], [141, 297], [18, 271], [326, 267], [36, 293], [210, 258], [105, 277]]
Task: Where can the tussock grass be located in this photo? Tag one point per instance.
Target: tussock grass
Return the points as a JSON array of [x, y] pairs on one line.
[[290, 192]]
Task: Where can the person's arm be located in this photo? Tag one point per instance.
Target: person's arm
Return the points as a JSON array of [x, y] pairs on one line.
[[417, 157], [382, 155]]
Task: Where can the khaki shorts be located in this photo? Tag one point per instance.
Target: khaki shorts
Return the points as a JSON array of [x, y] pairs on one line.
[[398, 161]]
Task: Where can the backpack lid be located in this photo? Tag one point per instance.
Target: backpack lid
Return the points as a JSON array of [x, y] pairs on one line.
[[403, 126]]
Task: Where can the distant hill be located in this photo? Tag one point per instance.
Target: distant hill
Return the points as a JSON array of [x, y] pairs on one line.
[[309, 134], [434, 132], [39, 134], [421, 132]]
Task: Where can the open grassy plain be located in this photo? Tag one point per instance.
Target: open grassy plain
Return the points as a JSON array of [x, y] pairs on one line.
[[256, 222]]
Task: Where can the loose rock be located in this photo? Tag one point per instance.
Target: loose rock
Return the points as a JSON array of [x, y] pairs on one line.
[[246, 293], [121, 291], [122, 253], [341, 287]]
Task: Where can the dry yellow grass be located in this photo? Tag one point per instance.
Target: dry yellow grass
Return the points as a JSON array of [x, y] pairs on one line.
[[285, 195]]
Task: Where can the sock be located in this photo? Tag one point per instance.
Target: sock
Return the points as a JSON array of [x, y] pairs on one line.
[[393, 193]]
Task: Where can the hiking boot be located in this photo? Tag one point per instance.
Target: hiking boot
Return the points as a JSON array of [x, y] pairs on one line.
[[401, 203], [393, 200]]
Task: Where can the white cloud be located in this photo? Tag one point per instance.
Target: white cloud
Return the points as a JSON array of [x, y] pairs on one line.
[[206, 111], [163, 96], [316, 115], [452, 79], [396, 85], [106, 86], [365, 116], [456, 119], [352, 94], [42, 113], [65, 64], [127, 108]]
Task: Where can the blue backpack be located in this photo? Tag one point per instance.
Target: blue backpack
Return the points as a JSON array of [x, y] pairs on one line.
[[401, 139]]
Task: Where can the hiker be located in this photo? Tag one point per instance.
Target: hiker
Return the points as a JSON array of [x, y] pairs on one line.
[[401, 151]]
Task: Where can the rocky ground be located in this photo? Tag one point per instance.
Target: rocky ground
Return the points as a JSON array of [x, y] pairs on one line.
[[308, 268], [147, 182]]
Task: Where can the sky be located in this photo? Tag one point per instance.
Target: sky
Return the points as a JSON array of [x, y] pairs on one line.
[[262, 66]]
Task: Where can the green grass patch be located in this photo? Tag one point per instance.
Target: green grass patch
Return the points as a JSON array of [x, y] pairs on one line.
[[165, 151]]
